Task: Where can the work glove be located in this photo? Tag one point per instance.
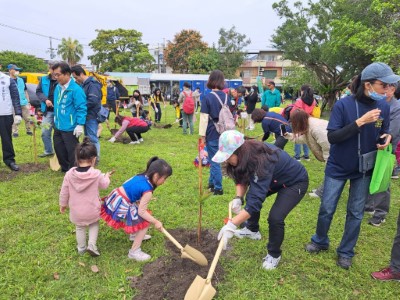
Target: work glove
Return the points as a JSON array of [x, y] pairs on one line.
[[226, 233], [233, 102], [17, 119], [112, 140], [236, 205], [78, 131], [156, 109]]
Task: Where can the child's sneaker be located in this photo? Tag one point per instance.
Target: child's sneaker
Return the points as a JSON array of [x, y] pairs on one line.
[[132, 237], [82, 251], [247, 233], [138, 255], [141, 140], [270, 262], [92, 250], [134, 143]]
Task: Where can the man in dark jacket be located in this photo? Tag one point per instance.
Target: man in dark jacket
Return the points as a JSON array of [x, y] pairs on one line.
[[92, 89], [112, 95], [10, 102]]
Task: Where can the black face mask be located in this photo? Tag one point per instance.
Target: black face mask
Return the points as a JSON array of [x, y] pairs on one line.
[[136, 97]]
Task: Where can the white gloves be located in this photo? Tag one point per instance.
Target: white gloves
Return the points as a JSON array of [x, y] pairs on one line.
[[156, 109], [17, 119], [233, 102], [112, 140], [227, 232], [236, 205], [78, 130]]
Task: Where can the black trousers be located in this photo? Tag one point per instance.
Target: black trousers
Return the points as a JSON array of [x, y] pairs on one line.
[[64, 145], [157, 115], [135, 132], [286, 199], [6, 139], [280, 141]]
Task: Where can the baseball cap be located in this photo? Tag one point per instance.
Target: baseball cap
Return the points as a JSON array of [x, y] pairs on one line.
[[229, 141], [11, 66], [379, 71]]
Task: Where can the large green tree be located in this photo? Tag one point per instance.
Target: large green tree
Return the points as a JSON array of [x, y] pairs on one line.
[[231, 46], [203, 61], [121, 50], [371, 27], [70, 50], [27, 62], [178, 51], [305, 37], [336, 39]]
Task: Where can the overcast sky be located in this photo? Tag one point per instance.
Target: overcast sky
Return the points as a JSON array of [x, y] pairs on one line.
[[157, 20]]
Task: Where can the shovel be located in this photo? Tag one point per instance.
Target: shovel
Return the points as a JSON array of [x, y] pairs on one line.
[[187, 251], [173, 123], [202, 289], [54, 164]]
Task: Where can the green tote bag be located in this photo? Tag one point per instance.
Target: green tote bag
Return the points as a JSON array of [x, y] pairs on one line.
[[383, 169]]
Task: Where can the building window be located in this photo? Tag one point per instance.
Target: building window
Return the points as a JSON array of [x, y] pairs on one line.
[[286, 73], [246, 73], [270, 74], [269, 57]]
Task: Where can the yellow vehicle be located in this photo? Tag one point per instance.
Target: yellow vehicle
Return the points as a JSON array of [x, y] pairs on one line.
[[32, 80]]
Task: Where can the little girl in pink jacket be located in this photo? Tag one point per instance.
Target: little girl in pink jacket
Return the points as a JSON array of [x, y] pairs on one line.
[[80, 192]]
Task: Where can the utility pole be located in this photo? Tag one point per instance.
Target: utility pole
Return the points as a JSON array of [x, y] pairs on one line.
[[52, 54]]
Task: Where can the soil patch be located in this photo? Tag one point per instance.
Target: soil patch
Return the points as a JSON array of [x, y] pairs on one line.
[[28, 168], [120, 139], [169, 277]]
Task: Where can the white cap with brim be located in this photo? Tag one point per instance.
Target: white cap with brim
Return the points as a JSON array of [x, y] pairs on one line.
[[229, 141], [379, 71]]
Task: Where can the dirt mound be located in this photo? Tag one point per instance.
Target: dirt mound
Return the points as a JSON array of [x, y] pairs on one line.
[[169, 277], [7, 174]]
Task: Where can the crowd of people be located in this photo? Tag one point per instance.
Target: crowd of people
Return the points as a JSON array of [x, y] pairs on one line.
[[359, 124]]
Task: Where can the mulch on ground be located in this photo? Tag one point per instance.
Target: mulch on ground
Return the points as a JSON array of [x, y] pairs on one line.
[[170, 277]]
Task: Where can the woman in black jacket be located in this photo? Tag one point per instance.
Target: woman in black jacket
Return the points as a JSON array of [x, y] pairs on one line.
[[251, 101]]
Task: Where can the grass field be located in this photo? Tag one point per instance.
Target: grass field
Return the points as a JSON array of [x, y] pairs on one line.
[[37, 243]]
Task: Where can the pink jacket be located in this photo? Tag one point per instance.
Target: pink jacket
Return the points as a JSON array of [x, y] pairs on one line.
[[80, 191]]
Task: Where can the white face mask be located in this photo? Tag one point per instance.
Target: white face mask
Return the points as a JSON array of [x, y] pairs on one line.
[[16, 73]]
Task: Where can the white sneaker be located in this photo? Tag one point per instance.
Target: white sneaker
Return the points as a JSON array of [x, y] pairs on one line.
[[132, 237], [141, 140], [92, 250], [81, 251], [270, 263], [133, 143], [247, 233], [313, 195], [138, 255]]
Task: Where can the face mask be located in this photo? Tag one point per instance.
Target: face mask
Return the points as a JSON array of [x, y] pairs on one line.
[[251, 90], [136, 96], [16, 73], [348, 93], [375, 96]]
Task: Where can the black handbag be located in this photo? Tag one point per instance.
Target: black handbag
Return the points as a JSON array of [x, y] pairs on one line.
[[366, 161]]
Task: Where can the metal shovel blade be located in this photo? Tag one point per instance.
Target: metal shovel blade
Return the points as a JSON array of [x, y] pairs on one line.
[[195, 255], [54, 164], [200, 289]]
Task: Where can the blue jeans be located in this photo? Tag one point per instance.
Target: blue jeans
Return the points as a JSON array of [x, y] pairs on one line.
[[47, 127], [215, 169], [91, 127], [358, 194], [297, 150]]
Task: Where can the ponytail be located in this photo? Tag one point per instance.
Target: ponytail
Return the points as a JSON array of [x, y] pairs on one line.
[[158, 166], [85, 150]]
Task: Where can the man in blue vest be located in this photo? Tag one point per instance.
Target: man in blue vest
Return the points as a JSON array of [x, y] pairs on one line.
[[13, 70], [70, 111], [45, 93], [9, 98]]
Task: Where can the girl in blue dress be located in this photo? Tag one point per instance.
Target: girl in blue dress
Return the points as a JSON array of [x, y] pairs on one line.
[[126, 206]]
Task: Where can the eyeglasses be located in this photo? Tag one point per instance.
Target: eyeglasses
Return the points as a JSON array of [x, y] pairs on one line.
[[57, 74]]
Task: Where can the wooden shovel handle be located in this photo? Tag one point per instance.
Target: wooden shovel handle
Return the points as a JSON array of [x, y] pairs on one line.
[[117, 103], [230, 210], [171, 238], [215, 260]]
